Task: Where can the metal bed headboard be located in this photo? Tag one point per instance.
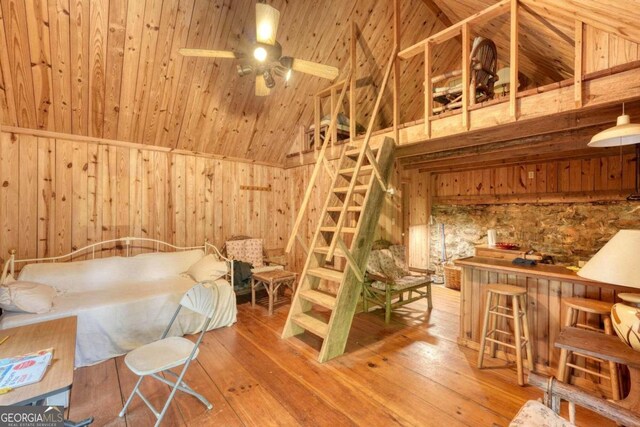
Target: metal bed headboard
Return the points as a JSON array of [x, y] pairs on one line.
[[9, 265]]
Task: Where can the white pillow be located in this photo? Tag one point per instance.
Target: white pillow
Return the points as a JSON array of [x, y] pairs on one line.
[[29, 297], [207, 268]]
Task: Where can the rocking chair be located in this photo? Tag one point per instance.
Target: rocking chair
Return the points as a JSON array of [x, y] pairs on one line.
[[483, 64]]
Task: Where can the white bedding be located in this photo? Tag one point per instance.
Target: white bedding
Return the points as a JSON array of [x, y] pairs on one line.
[[114, 318]]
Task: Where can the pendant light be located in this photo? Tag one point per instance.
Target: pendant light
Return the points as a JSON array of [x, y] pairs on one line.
[[623, 133]]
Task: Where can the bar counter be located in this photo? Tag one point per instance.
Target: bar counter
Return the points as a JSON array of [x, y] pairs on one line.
[[547, 286]]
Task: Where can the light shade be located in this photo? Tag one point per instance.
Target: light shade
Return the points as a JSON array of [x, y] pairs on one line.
[[623, 133], [504, 78], [617, 261]]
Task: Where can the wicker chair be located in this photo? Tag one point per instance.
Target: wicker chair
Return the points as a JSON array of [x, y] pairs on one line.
[[389, 283]]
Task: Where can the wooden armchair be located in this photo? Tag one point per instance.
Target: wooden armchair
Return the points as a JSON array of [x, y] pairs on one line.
[[389, 283]]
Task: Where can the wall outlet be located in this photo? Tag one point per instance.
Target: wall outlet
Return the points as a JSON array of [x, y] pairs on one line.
[[532, 174]]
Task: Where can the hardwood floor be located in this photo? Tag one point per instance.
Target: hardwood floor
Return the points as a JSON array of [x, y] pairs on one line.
[[411, 372]]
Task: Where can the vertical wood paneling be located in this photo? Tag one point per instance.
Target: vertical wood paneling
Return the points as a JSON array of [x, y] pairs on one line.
[[59, 27], [17, 47], [28, 197], [56, 195], [39, 45], [9, 192], [98, 26], [596, 174], [79, 50], [114, 66]]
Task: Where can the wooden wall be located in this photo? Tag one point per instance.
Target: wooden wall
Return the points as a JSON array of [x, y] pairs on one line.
[[568, 180], [605, 50], [58, 194]]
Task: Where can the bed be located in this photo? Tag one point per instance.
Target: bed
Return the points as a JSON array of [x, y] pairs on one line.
[[122, 302]]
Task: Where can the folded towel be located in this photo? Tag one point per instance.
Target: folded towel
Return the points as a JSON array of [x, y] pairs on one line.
[[522, 261]]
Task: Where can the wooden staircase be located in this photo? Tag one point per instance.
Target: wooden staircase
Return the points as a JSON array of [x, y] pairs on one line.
[[343, 237]]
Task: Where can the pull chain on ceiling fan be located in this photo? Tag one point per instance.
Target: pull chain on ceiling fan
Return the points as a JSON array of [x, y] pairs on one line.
[[264, 56]]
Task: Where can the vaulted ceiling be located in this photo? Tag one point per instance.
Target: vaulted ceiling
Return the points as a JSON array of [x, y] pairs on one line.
[[110, 68]]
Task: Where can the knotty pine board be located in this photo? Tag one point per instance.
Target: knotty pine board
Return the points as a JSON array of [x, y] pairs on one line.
[[57, 195]]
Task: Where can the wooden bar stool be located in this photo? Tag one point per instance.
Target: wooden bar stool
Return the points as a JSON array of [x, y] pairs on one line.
[[518, 313], [591, 306]]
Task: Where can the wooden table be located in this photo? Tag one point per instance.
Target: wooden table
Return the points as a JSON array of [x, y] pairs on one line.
[[60, 334], [272, 280], [610, 348]]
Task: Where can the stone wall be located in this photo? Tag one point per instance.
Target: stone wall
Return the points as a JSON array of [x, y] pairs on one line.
[[568, 232]]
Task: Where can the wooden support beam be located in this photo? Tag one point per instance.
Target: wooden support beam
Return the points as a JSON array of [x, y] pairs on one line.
[[544, 21], [317, 118], [334, 107], [353, 47], [466, 53], [455, 30], [428, 90], [578, 68], [513, 62], [396, 69]]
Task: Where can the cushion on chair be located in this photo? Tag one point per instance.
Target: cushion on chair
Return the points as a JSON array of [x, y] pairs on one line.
[[398, 252], [373, 263], [253, 252], [388, 265], [403, 282], [235, 249], [535, 414], [159, 355]]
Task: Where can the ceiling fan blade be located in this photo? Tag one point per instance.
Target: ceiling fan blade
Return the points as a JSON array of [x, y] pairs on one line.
[[267, 19], [320, 70], [261, 86], [206, 53]]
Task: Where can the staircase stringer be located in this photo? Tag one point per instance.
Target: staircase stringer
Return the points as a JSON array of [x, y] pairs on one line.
[[350, 287]]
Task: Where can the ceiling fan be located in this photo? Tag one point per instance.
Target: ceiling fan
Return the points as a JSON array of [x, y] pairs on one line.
[[263, 57]]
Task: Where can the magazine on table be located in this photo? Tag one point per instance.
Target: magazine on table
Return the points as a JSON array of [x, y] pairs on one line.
[[26, 369]]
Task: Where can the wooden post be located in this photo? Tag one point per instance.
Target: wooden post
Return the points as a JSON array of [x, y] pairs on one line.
[[466, 52], [428, 90], [334, 108], [513, 63], [396, 71], [578, 68], [352, 84], [316, 122]]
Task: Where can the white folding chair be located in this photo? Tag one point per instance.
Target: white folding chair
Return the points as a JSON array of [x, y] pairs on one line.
[[161, 356]]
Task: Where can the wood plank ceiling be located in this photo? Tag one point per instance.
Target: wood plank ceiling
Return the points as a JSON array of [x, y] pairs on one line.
[[110, 68]]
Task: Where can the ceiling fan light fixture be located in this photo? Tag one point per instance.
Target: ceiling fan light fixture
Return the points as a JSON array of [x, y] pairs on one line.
[[265, 30], [244, 70], [260, 54], [268, 79]]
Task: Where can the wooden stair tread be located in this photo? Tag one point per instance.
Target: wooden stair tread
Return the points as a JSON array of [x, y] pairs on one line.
[[326, 273], [350, 171], [356, 189], [356, 151], [311, 324], [349, 209], [333, 229], [319, 298], [325, 250]]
